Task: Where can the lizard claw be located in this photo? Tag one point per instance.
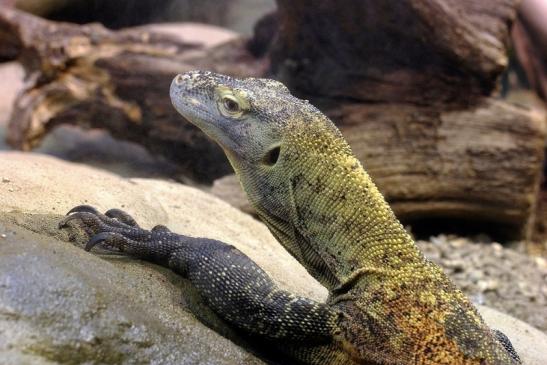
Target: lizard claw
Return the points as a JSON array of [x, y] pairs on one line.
[[119, 232], [83, 208], [96, 239], [64, 222], [121, 216]]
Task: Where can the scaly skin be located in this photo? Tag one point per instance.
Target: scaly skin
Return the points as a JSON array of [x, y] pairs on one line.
[[387, 303]]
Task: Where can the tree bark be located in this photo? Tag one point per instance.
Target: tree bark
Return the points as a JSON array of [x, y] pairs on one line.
[[413, 51]]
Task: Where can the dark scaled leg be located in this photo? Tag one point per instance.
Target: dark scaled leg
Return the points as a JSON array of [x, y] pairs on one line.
[[231, 283], [244, 295]]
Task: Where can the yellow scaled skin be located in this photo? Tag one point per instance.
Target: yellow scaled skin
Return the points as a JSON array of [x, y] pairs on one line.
[[316, 198]]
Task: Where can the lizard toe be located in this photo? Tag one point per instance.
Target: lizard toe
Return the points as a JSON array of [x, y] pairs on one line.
[[83, 208], [90, 222], [160, 228], [121, 216], [96, 239]]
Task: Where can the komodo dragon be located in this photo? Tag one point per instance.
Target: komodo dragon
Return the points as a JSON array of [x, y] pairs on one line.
[[388, 304]]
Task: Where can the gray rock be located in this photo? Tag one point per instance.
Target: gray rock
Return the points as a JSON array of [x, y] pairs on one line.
[[530, 343], [59, 304]]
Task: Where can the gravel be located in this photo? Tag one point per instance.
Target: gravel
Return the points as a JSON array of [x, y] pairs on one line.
[[495, 276]]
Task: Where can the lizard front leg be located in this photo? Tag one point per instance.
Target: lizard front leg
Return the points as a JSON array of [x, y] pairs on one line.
[[237, 289]]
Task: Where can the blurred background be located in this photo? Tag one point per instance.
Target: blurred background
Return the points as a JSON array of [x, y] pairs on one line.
[[237, 15]]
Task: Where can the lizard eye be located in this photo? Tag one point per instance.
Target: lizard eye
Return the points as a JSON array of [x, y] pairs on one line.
[[231, 105]]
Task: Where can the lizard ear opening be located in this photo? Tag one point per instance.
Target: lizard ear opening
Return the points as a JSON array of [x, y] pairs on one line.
[[272, 156]]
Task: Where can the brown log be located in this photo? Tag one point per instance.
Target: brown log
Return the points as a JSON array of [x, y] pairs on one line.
[[97, 78], [482, 163], [538, 244], [412, 51], [529, 37]]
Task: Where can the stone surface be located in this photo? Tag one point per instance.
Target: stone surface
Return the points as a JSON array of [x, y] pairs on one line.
[[63, 301], [58, 302], [60, 305], [43, 185]]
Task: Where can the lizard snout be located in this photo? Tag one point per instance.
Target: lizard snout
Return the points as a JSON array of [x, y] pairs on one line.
[[193, 80], [183, 82]]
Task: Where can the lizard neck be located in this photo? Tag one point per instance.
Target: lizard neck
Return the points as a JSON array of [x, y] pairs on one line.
[[340, 213]]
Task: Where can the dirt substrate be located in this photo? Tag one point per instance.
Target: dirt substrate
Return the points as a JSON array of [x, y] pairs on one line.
[[495, 276]]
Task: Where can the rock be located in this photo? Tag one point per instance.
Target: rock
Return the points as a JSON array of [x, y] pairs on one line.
[[475, 275], [61, 305], [59, 302], [487, 285], [62, 301], [59, 186], [530, 343], [99, 149]]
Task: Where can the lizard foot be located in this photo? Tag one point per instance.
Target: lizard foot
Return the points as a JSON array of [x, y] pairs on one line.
[[116, 229], [111, 217], [108, 217]]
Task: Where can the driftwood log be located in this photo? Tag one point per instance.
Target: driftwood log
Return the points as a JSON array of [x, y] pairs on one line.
[[97, 78], [408, 82]]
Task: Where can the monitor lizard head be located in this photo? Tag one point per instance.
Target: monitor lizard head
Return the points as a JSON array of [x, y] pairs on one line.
[[246, 117], [298, 171], [249, 119]]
